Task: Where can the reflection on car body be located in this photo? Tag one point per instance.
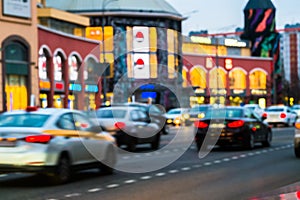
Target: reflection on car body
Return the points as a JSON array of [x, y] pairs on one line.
[[232, 125], [53, 142], [198, 111], [129, 125]]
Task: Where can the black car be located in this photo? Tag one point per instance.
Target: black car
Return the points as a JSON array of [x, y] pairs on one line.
[[232, 125]]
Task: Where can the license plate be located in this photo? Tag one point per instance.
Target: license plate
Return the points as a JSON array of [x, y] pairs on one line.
[[7, 144]]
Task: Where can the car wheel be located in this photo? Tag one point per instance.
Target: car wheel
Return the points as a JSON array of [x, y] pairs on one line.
[[250, 142], [108, 163], [297, 152], [267, 142], [62, 172], [165, 130], [156, 142]]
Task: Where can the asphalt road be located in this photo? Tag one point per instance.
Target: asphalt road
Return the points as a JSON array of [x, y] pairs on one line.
[[175, 172]]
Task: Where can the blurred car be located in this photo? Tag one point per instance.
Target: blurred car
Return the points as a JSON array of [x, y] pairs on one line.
[[296, 108], [129, 125], [297, 139], [198, 111], [154, 111], [255, 108], [233, 125], [177, 116], [54, 142], [280, 114]]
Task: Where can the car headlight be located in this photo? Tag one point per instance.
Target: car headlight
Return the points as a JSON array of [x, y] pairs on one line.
[[169, 121], [177, 120]]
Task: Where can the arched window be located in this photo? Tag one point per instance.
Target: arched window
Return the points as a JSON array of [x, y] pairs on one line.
[[237, 79], [217, 78], [198, 77], [258, 79]]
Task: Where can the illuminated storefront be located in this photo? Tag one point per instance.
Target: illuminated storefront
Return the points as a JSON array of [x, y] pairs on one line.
[[236, 80], [64, 70]]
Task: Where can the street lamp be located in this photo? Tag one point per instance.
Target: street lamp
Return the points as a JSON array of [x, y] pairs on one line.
[[105, 65]]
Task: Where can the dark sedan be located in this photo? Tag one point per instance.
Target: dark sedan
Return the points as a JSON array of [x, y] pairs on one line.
[[232, 126]]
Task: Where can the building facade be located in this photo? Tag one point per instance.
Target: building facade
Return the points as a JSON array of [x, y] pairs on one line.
[[18, 66]]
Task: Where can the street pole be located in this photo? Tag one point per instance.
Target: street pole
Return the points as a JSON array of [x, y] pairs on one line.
[[105, 64]]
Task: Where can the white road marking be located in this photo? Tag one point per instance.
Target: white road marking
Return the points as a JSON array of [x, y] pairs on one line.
[[130, 181], [72, 195], [207, 163], [185, 168], [95, 190], [226, 159], [217, 161], [173, 171], [160, 174], [113, 186], [234, 157], [146, 177]]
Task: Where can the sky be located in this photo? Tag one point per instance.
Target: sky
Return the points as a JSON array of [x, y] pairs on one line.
[[221, 16]]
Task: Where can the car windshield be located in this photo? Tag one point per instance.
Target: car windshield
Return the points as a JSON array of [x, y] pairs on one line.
[[116, 113], [275, 109], [224, 113], [175, 111], [23, 120]]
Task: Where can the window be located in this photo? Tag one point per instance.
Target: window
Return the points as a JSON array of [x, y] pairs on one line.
[[66, 122]]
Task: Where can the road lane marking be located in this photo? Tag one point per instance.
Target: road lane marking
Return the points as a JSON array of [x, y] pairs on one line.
[[94, 190], [173, 171], [130, 181], [160, 174], [146, 177], [185, 168], [112, 186], [217, 161], [72, 195]]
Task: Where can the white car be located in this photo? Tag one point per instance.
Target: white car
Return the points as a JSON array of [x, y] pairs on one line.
[[130, 126], [255, 108], [280, 114], [177, 116], [53, 142]]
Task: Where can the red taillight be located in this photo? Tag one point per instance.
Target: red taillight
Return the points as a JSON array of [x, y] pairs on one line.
[[282, 115], [200, 124], [236, 124], [120, 125], [38, 138], [265, 115]]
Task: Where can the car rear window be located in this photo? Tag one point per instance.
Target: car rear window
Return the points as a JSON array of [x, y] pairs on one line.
[[199, 109], [23, 120], [224, 113], [111, 113], [275, 109]]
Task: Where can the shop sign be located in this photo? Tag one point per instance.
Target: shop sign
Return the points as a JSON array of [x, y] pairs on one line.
[[59, 86], [17, 8], [75, 87], [45, 85], [238, 92], [91, 88], [258, 92]]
